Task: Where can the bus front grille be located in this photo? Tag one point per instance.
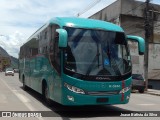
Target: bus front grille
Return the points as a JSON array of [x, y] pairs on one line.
[[101, 93]]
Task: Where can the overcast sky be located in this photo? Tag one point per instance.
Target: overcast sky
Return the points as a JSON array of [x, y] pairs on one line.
[[20, 18]]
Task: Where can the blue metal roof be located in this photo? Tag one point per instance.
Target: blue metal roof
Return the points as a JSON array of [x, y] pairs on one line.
[[85, 23]]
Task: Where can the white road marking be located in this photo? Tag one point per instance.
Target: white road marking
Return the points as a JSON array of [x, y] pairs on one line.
[[3, 98], [22, 98], [146, 104]]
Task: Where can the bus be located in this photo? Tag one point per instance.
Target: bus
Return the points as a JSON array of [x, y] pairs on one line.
[[78, 61]]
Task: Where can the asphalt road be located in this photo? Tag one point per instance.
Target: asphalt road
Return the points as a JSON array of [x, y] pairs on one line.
[[14, 98]]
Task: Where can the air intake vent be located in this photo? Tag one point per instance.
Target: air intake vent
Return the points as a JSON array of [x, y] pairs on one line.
[[103, 93]]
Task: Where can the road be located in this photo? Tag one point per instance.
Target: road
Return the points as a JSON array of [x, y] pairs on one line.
[[14, 98]]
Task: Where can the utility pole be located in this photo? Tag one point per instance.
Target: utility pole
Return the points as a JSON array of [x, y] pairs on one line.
[[147, 37]]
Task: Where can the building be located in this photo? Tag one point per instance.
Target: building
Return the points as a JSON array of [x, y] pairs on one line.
[[130, 15], [4, 62], [5, 59]]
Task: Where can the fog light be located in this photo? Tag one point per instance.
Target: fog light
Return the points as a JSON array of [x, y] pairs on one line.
[[70, 98]]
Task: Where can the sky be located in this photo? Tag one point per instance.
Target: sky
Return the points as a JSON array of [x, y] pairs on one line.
[[19, 19]]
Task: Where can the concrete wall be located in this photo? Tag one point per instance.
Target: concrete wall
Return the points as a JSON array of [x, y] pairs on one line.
[[154, 60], [109, 13], [132, 7], [133, 25], [154, 84], [137, 60]]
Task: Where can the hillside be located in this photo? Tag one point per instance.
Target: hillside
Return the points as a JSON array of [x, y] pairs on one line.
[[14, 61], [3, 52]]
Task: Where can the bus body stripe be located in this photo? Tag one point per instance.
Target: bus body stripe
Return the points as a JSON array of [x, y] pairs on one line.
[[123, 86]]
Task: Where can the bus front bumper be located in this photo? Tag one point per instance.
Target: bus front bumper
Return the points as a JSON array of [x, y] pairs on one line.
[[75, 99]]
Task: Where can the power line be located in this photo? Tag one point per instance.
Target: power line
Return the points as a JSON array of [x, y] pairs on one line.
[[88, 7], [134, 8], [128, 10]]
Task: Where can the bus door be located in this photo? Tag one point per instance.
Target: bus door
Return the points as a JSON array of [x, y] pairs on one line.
[[54, 56]]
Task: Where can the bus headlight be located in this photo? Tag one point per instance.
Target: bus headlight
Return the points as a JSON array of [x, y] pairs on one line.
[[124, 90], [74, 89]]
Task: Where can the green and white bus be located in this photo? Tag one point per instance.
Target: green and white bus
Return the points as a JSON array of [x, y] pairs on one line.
[[78, 61]]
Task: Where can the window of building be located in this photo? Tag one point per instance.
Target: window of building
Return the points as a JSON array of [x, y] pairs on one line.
[[45, 35]]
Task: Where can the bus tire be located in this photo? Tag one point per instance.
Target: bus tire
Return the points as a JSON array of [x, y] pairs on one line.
[[48, 101], [24, 85]]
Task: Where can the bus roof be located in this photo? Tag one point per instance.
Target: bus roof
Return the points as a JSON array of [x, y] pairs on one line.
[[79, 23], [85, 23]]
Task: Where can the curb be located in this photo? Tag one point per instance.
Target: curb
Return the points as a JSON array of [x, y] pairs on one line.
[[153, 93]]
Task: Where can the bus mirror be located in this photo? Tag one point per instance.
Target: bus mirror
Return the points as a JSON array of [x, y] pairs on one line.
[[62, 38], [141, 43]]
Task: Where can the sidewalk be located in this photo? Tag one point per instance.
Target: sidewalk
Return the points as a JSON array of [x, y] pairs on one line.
[[153, 92]]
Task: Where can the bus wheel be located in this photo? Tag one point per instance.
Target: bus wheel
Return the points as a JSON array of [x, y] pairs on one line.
[[46, 96], [24, 85]]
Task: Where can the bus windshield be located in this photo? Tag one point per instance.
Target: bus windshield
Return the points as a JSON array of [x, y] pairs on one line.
[[94, 52]]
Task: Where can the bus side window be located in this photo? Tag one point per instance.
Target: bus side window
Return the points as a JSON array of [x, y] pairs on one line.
[[54, 49], [56, 53]]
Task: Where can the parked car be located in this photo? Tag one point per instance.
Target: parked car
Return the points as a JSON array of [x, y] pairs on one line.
[[16, 70], [138, 82], [9, 71]]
